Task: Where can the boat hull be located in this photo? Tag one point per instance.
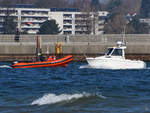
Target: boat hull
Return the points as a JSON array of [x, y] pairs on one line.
[[54, 63], [114, 63]]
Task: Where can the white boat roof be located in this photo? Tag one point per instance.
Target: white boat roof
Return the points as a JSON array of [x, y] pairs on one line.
[[120, 45]]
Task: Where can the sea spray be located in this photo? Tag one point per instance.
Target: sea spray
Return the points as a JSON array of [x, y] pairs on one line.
[[100, 95], [53, 98], [5, 66]]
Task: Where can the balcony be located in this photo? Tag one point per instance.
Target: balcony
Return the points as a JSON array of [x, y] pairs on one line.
[[67, 27], [34, 20], [32, 31], [33, 14], [2, 14], [30, 26], [101, 22]]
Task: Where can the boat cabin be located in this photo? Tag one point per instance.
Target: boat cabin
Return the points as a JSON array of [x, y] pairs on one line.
[[116, 51]]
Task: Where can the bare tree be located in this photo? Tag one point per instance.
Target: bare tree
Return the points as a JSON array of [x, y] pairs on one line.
[[124, 6], [77, 4], [115, 25], [52, 3], [132, 6], [118, 10], [13, 2]]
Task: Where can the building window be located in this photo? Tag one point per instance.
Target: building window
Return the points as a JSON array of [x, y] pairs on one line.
[[67, 32], [67, 26], [81, 32], [67, 21], [82, 15], [67, 15]]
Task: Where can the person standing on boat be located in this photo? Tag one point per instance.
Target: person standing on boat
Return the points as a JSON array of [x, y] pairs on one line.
[[40, 56]]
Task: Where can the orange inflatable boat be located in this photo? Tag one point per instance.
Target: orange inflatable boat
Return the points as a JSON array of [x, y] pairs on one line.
[[50, 62]]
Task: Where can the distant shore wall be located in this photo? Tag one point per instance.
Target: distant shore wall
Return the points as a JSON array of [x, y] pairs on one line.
[[138, 46]]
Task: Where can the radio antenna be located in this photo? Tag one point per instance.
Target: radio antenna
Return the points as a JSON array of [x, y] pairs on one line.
[[124, 33]]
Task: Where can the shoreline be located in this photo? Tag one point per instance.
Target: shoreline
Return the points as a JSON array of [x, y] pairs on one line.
[[138, 46], [78, 58]]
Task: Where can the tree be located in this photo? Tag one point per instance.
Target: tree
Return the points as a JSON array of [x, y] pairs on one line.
[[115, 24], [123, 6], [131, 6], [77, 4], [117, 20], [51, 3], [113, 5], [95, 5], [49, 27], [136, 27]]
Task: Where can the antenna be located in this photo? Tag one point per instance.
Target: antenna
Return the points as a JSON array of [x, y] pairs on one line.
[[124, 33]]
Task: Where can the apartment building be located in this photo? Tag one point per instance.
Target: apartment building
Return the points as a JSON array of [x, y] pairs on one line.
[[28, 19], [70, 20], [3, 13], [145, 20]]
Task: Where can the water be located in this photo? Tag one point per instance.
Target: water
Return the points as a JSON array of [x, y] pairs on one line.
[[74, 90]]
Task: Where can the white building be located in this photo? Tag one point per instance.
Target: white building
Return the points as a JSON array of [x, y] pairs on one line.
[[75, 22], [145, 20], [70, 20], [28, 19]]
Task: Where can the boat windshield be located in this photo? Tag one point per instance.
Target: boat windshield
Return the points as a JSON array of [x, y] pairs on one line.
[[117, 52], [114, 52], [109, 51]]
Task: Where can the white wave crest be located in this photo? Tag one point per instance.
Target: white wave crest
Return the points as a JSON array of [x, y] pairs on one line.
[[5, 66], [84, 66], [52, 98]]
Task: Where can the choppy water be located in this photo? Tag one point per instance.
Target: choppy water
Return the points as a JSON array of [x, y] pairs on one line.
[[74, 90]]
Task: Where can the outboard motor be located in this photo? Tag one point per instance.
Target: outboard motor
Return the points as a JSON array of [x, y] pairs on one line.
[[14, 62]]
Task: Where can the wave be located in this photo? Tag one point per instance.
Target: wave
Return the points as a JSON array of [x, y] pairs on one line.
[[84, 66], [147, 68], [53, 98], [5, 66]]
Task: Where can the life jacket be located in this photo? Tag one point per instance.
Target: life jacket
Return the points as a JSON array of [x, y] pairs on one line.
[[51, 58]]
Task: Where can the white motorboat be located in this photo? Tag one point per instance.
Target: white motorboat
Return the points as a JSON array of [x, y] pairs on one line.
[[115, 59]]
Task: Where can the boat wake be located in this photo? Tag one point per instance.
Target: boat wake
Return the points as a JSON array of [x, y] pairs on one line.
[[53, 98], [85, 66], [5, 66]]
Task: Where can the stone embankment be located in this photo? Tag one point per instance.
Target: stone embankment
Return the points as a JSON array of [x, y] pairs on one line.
[[138, 46]]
